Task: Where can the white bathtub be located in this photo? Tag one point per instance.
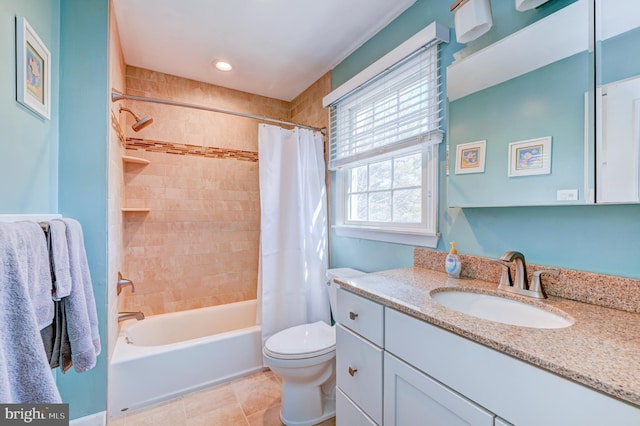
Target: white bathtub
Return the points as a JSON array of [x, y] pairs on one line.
[[167, 355]]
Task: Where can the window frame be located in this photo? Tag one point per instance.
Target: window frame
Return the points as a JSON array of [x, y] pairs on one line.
[[424, 234], [428, 235]]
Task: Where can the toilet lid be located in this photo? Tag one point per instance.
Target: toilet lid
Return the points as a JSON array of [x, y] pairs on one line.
[[302, 341]]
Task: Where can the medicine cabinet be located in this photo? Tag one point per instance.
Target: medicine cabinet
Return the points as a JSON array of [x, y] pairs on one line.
[[618, 101], [521, 116]]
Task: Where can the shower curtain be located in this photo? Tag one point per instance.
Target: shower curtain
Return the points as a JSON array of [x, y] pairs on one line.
[[293, 229]]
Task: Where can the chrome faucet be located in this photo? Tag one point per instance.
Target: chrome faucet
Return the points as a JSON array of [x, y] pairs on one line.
[[123, 282], [520, 282], [122, 316]]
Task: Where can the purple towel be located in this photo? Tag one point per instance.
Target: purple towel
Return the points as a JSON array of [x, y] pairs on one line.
[[80, 306], [25, 308]]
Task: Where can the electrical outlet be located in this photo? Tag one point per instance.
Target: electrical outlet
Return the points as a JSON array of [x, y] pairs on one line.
[[567, 195]]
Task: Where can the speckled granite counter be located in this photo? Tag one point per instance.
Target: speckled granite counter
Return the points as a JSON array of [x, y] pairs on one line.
[[600, 350]]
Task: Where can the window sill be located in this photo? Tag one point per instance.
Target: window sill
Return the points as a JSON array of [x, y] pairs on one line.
[[408, 237]]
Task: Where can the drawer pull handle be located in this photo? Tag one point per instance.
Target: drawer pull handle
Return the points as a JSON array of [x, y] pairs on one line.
[[352, 371], [353, 315]]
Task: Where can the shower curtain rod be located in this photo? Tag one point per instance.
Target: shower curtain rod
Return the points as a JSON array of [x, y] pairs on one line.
[[117, 96]]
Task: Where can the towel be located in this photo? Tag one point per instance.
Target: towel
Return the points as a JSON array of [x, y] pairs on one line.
[[80, 306], [25, 304], [56, 340], [59, 254]]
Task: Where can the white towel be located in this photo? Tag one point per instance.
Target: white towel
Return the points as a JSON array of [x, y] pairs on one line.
[[59, 259], [25, 376], [80, 305]]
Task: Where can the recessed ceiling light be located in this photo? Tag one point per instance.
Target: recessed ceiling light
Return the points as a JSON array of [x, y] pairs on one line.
[[223, 66]]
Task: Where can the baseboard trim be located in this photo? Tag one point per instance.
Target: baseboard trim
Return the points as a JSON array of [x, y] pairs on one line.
[[96, 419]]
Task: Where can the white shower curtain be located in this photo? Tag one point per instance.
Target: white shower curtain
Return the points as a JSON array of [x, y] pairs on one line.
[[293, 229]]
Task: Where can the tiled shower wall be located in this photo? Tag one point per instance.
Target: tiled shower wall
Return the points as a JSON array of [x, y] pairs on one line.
[[198, 243]]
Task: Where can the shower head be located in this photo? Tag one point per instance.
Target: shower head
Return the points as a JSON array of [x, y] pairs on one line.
[[140, 123]]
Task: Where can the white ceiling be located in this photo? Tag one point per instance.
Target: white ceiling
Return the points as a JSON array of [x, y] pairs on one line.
[[278, 48]]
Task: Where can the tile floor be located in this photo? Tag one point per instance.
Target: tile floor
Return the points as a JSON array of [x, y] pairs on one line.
[[248, 401]]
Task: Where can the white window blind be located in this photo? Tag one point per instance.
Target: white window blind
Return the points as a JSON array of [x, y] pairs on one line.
[[400, 108]]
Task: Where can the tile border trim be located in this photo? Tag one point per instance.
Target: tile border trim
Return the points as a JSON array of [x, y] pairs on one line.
[[190, 150]]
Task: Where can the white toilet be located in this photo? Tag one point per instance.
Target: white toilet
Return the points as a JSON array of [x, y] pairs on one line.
[[304, 357]]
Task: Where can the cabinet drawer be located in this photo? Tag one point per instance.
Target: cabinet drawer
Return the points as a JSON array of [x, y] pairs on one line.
[[359, 372], [361, 315], [413, 398], [348, 414]]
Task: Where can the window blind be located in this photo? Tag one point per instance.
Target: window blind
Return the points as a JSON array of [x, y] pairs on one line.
[[398, 109]]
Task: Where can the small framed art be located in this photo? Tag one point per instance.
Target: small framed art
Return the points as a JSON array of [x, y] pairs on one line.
[[530, 157], [470, 157], [33, 70]]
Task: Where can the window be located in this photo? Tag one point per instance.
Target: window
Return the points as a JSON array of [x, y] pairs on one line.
[[384, 149]]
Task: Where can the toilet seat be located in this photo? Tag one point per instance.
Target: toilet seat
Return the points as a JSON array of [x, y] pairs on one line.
[[302, 341]]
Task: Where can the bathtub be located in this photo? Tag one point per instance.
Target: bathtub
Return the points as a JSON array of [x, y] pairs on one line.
[[167, 355]]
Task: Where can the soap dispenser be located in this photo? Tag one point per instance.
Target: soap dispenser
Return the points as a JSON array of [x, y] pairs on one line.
[[452, 263]]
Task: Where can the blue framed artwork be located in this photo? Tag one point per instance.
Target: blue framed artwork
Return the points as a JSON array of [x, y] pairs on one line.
[[33, 70], [470, 157], [530, 157]]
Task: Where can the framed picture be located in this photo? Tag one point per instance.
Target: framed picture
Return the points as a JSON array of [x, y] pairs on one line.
[[470, 157], [33, 70], [530, 157]]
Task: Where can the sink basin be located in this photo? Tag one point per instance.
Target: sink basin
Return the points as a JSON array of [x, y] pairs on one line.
[[500, 309]]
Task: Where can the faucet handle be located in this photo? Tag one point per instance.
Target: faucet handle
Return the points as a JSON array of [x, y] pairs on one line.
[[537, 282]]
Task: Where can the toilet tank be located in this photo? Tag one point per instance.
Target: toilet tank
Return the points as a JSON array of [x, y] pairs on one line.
[[333, 287]]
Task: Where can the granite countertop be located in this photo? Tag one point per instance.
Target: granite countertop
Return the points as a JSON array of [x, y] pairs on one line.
[[601, 349]]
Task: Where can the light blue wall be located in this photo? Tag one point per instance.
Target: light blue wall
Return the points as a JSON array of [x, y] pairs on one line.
[[602, 239], [59, 165], [84, 103], [28, 143]]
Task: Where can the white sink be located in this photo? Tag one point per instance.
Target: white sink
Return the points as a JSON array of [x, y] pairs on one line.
[[500, 309]]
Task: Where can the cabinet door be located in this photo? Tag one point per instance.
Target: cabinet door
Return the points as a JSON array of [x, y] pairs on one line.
[[413, 398], [348, 413], [359, 371]]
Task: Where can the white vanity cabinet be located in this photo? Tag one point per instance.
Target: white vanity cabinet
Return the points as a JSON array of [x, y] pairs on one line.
[[395, 369], [359, 358], [518, 392]]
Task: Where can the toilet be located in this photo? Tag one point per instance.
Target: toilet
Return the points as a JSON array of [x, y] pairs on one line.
[[304, 357]]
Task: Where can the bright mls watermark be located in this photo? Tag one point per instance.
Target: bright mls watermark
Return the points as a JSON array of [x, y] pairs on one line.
[[34, 414]]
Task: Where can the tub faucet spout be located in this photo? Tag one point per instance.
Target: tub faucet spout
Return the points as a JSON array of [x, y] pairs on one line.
[[122, 316]]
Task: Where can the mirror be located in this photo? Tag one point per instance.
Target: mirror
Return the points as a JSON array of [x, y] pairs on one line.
[[521, 114], [618, 101]]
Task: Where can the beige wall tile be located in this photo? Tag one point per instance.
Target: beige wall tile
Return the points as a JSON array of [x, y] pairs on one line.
[[198, 245]]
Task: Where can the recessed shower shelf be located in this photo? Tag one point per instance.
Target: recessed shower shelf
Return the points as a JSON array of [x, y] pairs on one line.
[[135, 210], [134, 160]]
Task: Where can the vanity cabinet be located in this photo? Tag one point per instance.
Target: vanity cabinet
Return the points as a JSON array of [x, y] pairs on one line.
[[517, 391], [415, 373]]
